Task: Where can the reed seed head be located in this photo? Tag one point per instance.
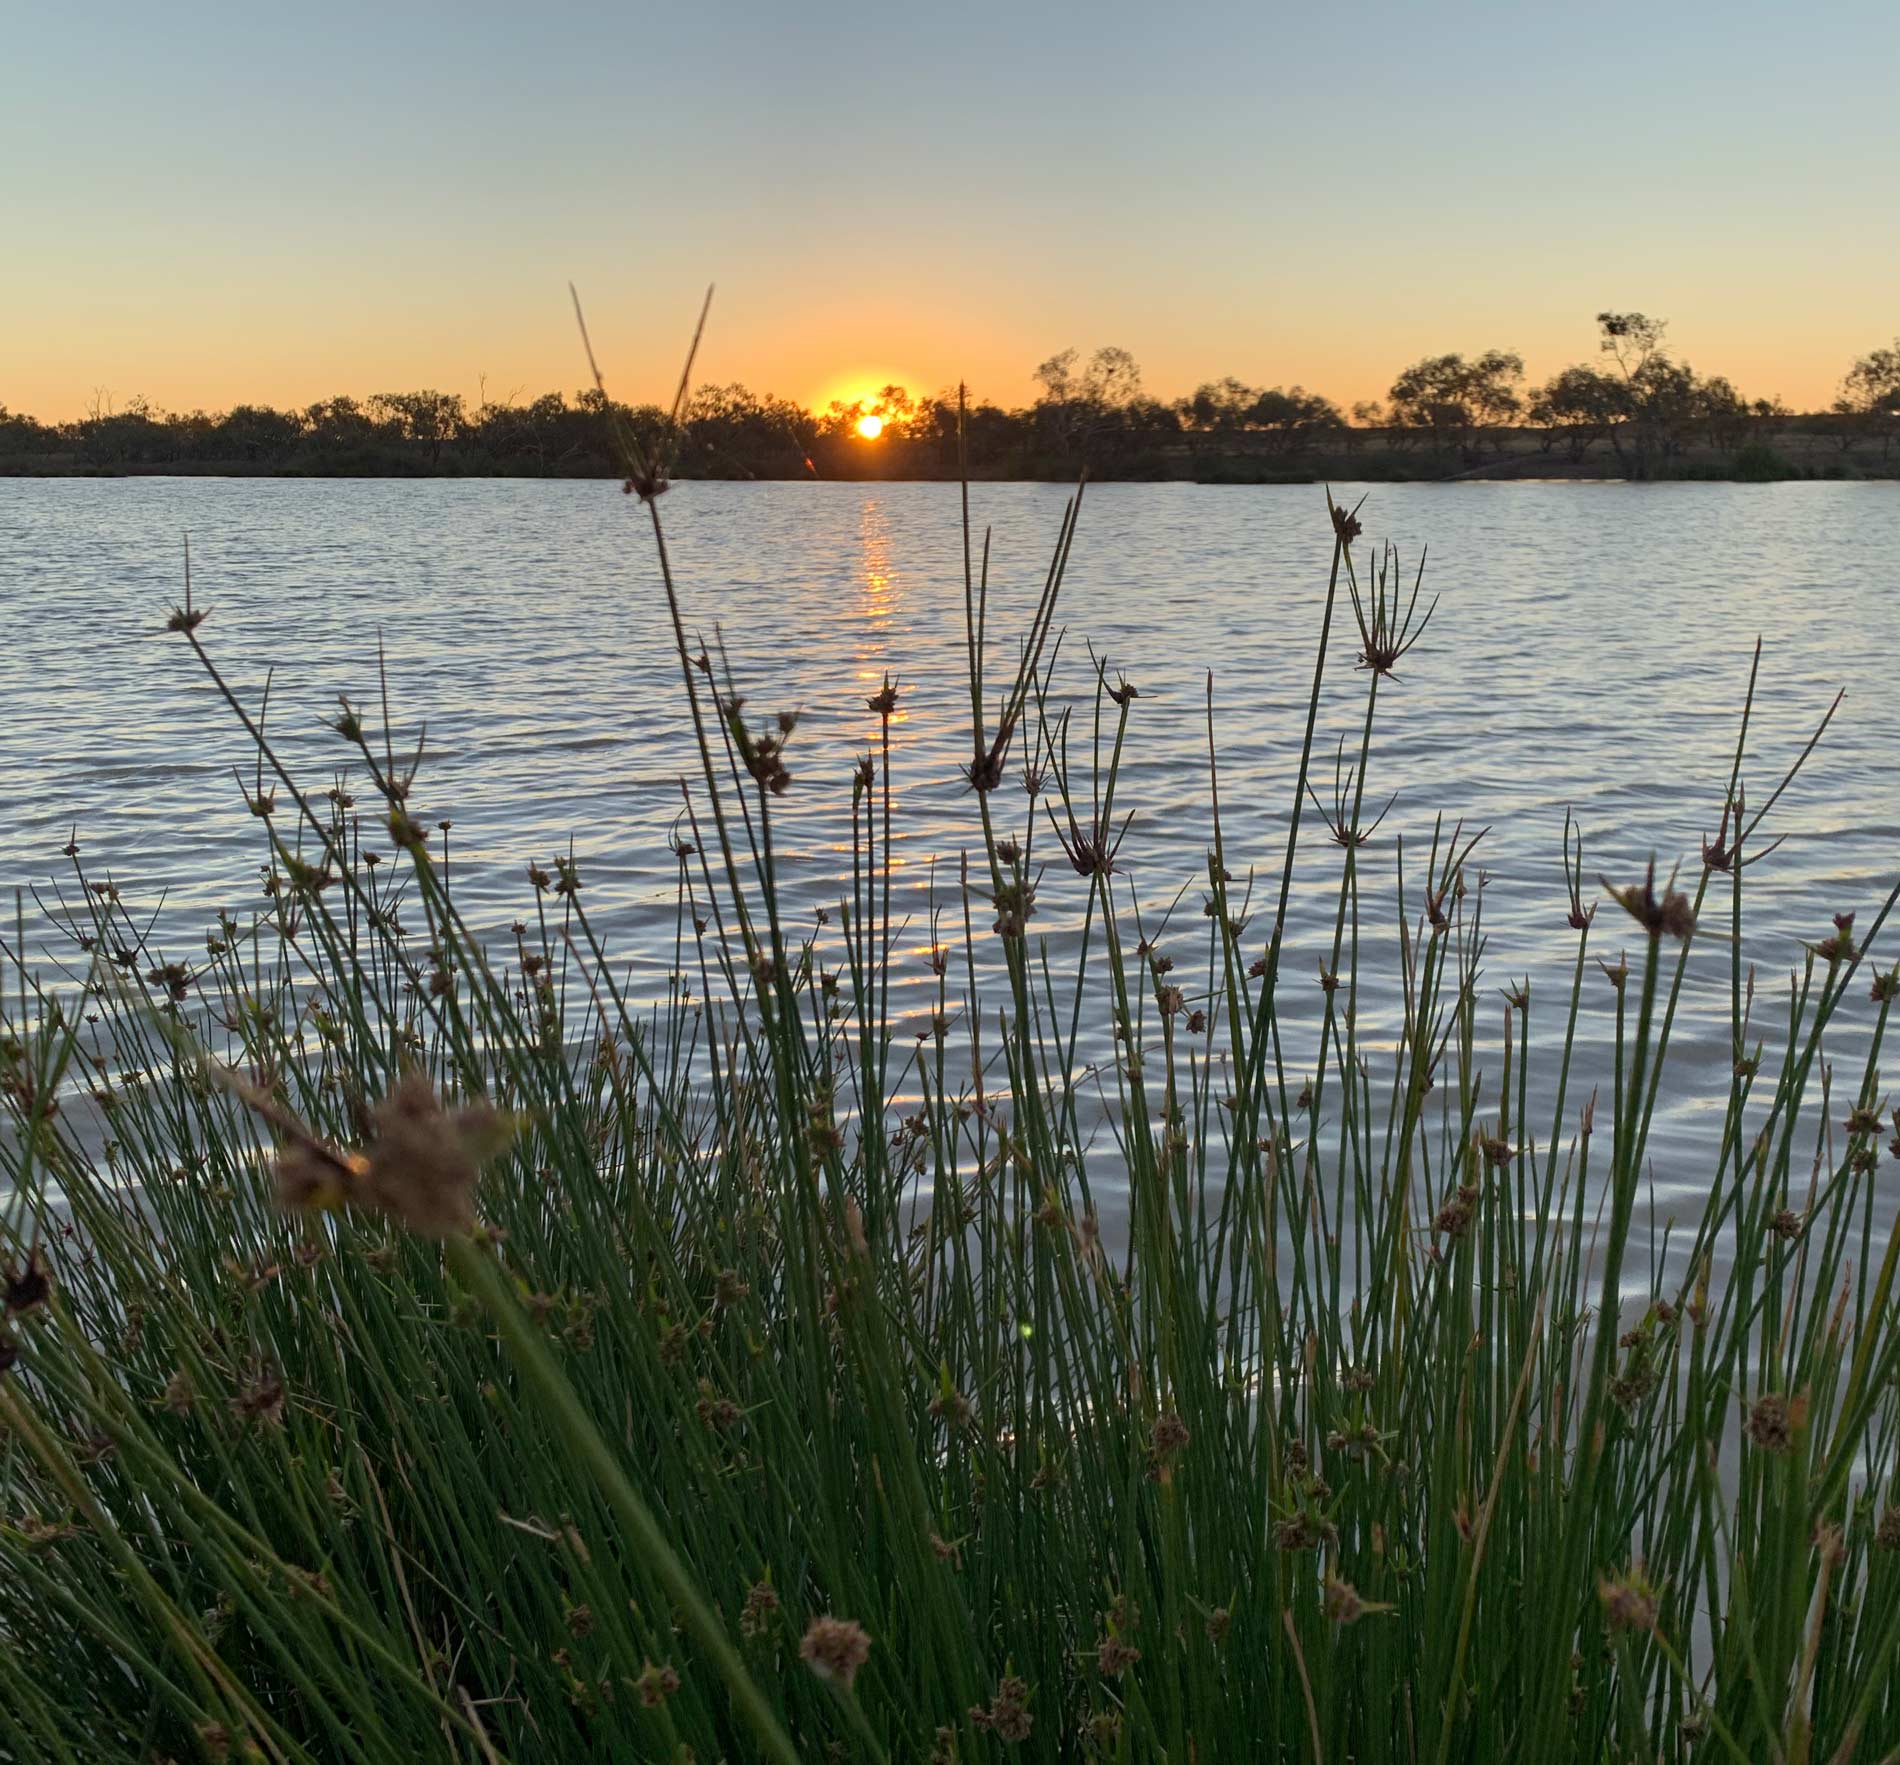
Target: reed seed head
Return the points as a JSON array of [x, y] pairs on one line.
[[1341, 1602], [1629, 1601], [29, 1288], [835, 1649], [1168, 1435], [260, 1399], [655, 1685], [1007, 1714], [423, 1161], [760, 1608], [1671, 916], [1773, 1419]]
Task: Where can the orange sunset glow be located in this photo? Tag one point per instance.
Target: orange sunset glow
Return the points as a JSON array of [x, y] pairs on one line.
[[366, 252]]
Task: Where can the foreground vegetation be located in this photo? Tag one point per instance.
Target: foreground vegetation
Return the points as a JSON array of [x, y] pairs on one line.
[[1637, 412], [429, 1351]]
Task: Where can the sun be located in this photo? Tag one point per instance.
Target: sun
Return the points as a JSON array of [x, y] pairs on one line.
[[870, 426]]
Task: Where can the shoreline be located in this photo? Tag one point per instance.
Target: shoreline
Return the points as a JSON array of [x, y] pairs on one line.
[[1346, 472]]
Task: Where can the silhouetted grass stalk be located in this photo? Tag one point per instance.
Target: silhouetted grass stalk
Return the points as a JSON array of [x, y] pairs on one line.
[[775, 1389]]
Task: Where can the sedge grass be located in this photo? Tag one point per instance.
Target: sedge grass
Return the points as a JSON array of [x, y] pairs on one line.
[[788, 1399]]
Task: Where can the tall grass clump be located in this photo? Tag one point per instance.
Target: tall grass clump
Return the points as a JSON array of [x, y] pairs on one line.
[[420, 1345]]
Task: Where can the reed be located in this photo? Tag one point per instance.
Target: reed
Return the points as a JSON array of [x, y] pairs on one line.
[[417, 1349]]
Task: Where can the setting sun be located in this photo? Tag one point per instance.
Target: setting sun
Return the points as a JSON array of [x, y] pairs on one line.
[[870, 426]]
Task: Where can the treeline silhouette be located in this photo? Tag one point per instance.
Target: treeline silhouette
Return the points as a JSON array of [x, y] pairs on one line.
[[1636, 411]]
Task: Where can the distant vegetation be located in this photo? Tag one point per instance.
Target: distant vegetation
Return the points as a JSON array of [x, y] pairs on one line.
[[1637, 411]]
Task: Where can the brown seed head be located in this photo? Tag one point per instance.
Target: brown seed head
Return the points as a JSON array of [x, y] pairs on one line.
[[1341, 1602], [423, 1160], [1007, 1714], [656, 1684], [761, 1605], [1629, 1601], [1671, 916], [1168, 1435], [835, 1649], [1772, 1421], [260, 1399], [29, 1288]]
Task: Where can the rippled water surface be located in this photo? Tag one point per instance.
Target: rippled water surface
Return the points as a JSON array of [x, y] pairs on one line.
[[1591, 650]]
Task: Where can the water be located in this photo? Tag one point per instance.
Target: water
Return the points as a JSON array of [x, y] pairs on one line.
[[1591, 650]]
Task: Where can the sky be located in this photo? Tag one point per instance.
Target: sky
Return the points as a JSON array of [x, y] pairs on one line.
[[208, 203]]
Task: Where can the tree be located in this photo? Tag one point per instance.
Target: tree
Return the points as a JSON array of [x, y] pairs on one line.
[[1290, 417], [426, 420], [1653, 386], [1578, 406], [1667, 408], [342, 434], [1632, 338], [1294, 418], [903, 418], [1217, 406], [1455, 401], [134, 436], [256, 434], [1057, 378], [1728, 417], [1664, 402], [23, 435], [1101, 404], [1870, 396], [734, 431], [1113, 380]]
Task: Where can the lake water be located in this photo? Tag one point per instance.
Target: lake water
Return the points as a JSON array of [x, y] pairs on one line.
[[1591, 650]]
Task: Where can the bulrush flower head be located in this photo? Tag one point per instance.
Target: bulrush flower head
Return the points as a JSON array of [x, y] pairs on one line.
[[835, 1649], [1629, 1601], [1168, 1435], [656, 1684], [420, 1167], [1840, 947], [1773, 1420], [1007, 1714], [27, 1288], [423, 1160], [1342, 1603], [311, 1178], [985, 771], [1672, 916], [761, 1607]]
